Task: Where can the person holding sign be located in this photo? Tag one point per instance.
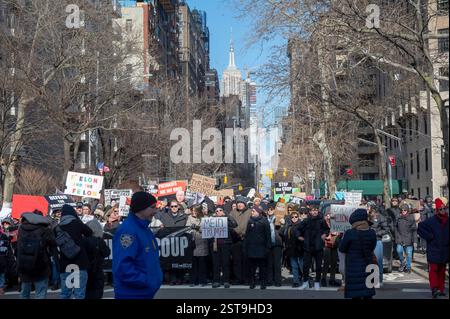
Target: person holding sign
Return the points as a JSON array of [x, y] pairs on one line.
[[221, 251], [136, 267], [198, 270], [257, 245]]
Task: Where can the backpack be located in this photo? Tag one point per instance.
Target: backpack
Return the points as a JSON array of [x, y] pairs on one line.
[[66, 244], [31, 253]]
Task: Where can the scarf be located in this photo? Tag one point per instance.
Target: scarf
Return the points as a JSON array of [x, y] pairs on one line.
[[271, 220], [67, 219], [361, 225]]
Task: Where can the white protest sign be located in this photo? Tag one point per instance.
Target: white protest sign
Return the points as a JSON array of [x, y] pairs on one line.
[[112, 196], [340, 216], [251, 193], [214, 227], [83, 185], [352, 198], [124, 205]]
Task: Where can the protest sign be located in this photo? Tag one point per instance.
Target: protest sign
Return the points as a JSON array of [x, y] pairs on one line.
[[283, 188], [152, 189], [340, 216], [27, 204], [112, 196], [83, 185], [214, 227], [414, 204], [56, 202], [170, 188], [202, 184], [251, 193], [280, 212], [124, 206], [352, 198], [176, 248], [224, 193]]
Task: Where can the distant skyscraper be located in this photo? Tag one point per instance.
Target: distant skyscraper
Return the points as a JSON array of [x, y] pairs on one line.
[[231, 78]]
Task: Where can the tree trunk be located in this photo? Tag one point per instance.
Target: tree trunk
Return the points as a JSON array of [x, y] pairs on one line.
[[382, 163], [320, 140], [444, 128]]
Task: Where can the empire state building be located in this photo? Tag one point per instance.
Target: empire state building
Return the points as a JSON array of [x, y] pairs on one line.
[[231, 78]]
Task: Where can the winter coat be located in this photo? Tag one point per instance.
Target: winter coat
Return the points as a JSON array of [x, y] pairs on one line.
[[257, 242], [380, 226], [436, 234], [5, 249], [97, 251], [358, 245], [77, 230], [169, 220], [293, 247], [312, 229], [111, 227], [405, 230], [278, 241], [136, 267], [201, 245], [241, 218], [35, 226], [218, 242]]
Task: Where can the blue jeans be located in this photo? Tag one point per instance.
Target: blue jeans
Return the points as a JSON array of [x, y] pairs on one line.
[[379, 254], [40, 292], [409, 251], [296, 265], [2, 280], [78, 292], [55, 273]]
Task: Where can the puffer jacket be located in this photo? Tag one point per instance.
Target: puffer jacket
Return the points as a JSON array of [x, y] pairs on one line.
[[257, 242], [358, 245], [436, 232], [405, 230], [201, 244]]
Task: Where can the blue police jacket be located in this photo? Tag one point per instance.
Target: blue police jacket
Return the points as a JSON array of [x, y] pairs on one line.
[[136, 269]]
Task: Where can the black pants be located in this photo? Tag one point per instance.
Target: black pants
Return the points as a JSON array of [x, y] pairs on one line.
[[221, 263], [274, 266], [198, 271], [330, 257], [262, 265], [240, 263], [176, 276], [309, 255]]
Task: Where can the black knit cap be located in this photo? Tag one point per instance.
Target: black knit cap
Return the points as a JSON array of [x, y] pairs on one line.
[[141, 201], [68, 210]]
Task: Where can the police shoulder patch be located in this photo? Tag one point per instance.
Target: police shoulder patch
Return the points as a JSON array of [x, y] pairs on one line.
[[126, 240]]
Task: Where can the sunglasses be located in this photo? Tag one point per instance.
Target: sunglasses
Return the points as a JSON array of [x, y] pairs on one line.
[[294, 217], [173, 206]]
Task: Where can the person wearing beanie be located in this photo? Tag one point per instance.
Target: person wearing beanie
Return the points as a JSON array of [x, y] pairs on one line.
[[221, 251], [358, 243], [240, 263], [97, 251], [405, 235], [257, 244], [77, 230], [435, 230], [136, 267]]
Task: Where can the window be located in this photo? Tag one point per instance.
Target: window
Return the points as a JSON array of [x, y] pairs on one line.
[[417, 127], [418, 164], [418, 193], [443, 43], [425, 123], [426, 160], [442, 6], [411, 163], [443, 85], [428, 191], [390, 144], [412, 191], [410, 129], [128, 25]]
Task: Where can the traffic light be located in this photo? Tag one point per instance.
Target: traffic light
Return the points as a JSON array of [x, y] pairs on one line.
[[270, 174], [284, 172], [349, 172], [240, 188], [225, 180]]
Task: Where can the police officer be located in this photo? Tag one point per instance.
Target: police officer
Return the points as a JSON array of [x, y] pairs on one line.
[[136, 268]]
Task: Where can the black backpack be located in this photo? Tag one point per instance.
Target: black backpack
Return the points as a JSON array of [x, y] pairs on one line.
[[31, 252], [66, 244]]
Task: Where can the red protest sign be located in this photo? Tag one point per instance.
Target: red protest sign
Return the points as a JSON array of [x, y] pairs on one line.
[[27, 204], [170, 188], [392, 160]]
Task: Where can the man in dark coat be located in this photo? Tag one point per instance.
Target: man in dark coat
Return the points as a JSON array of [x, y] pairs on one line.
[[358, 244], [405, 235], [257, 244], [72, 224], [35, 244], [275, 253], [435, 231], [312, 232]]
